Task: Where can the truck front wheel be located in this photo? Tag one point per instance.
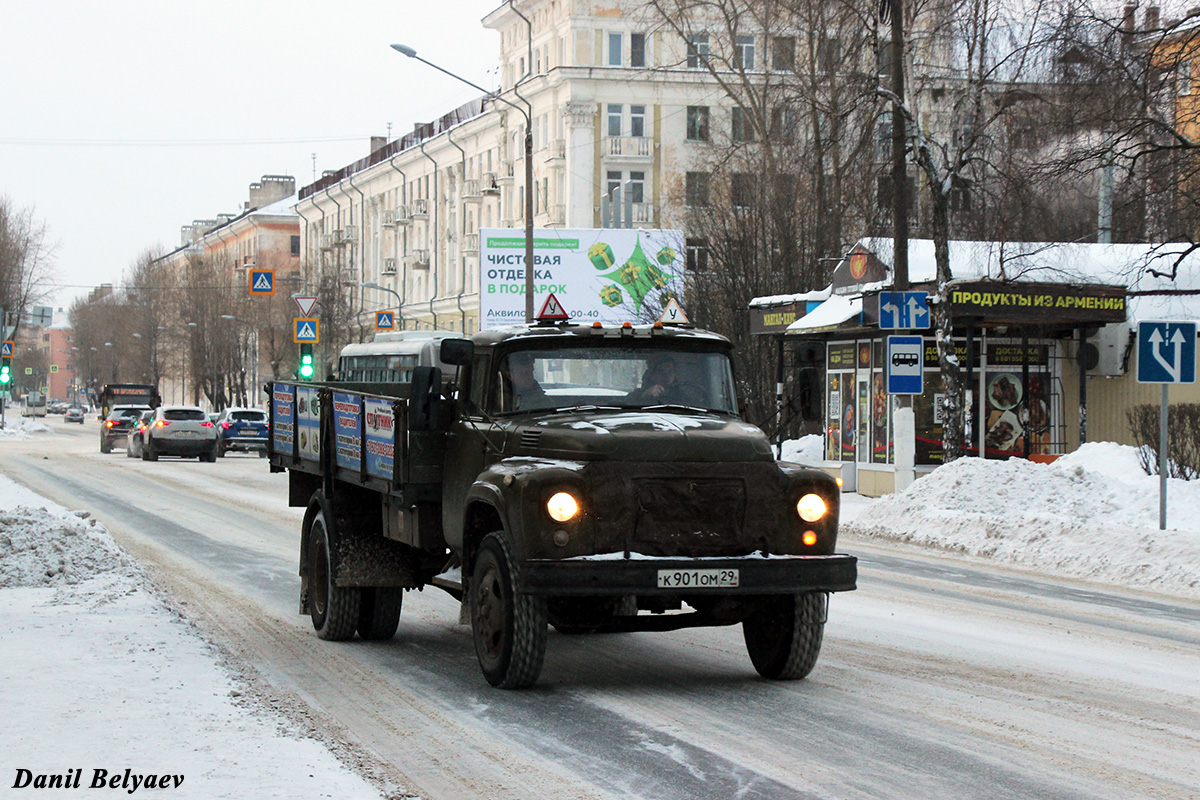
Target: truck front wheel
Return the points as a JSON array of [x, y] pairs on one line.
[[334, 609], [783, 635], [509, 628]]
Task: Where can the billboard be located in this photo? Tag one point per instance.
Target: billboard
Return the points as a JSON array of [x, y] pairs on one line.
[[606, 275]]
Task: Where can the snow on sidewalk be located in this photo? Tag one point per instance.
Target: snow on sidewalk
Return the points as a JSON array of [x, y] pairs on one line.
[[97, 675]]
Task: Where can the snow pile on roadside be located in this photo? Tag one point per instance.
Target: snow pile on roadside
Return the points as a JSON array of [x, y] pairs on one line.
[[23, 428], [805, 450], [1092, 514], [40, 548], [98, 675]]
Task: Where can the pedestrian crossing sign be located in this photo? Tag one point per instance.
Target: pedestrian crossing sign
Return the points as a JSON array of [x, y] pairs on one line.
[[262, 281], [6, 349], [307, 330], [384, 321]]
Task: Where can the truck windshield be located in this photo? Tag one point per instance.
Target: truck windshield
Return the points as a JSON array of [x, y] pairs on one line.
[[622, 377]]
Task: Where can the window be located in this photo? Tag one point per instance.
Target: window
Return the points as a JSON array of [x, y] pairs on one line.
[[741, 190], [637, 120], [1183, 78], [696, 189], [743, 52], [697, 51], [615, 112], [960, 194], [696, 255], [697, 123], [783, 53], [883, 137], [829, 55], [883, 58], [784, 123], [637, 187], [295, 245], [884, 192], [637, 49], [612, 184], [742, 131], [614, 49]]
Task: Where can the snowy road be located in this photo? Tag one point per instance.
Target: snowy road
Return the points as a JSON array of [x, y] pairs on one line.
[[940, 677]]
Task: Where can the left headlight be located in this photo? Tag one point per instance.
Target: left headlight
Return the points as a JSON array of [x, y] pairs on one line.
[[562, 507], [811, 507]]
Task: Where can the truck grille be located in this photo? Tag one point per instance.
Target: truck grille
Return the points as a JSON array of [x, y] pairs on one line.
[[688, 515]]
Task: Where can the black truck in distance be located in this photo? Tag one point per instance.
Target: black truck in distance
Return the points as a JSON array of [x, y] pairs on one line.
[[585, 478]]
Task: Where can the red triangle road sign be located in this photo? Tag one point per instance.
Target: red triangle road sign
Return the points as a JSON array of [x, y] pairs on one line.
[[552, 310]]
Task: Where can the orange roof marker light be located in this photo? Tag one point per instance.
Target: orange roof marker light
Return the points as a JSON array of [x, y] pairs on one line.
[[552, 311]]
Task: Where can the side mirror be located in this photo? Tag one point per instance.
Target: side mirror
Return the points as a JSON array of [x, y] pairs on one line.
[[458, 352]]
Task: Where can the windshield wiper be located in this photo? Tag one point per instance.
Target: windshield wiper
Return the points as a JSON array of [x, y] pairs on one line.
[[589, 407], [677, 407]]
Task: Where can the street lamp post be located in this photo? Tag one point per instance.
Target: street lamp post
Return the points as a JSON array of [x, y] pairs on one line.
[[527, 113], [399, 300]]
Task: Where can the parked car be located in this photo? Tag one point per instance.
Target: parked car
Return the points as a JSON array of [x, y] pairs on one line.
[[56, 407], [118, 424], [136, 440], [242, 429], [73, 414], [179, 431]]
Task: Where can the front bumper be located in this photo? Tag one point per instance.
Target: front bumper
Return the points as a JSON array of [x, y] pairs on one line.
[[640, 576]]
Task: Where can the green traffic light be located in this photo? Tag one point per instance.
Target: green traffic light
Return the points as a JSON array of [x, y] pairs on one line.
[[5, 376], [306, 369]]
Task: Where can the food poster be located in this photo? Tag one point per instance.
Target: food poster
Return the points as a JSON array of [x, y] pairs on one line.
[[308, 422], [1016, 410]]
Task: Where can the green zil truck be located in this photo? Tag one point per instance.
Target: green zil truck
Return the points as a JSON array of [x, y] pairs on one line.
[[586, 478]]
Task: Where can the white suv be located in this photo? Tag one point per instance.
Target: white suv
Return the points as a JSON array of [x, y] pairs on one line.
[[180, 431]]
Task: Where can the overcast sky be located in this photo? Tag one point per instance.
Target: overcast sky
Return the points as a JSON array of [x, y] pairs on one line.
[[124, 120]]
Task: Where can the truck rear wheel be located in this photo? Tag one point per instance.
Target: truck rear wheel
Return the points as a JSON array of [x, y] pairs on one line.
[[379, 612], [783, 636], [334, 609], [509, 628]]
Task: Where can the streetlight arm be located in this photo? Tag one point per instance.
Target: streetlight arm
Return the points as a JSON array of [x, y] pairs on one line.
[[408, 51]]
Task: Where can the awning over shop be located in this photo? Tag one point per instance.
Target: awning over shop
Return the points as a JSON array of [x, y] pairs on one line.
[[828, 316]]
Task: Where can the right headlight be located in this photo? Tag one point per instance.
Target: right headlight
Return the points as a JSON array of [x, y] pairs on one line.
[[562, 507], [811, 507]]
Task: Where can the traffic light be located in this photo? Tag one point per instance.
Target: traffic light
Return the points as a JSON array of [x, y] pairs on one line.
[[306, 369], [6, 371]]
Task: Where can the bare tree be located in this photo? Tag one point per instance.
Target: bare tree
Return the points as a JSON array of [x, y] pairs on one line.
[[26, 261]]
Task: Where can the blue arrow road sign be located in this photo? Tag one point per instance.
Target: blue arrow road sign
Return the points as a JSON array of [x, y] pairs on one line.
[[901, 310], [384, 321], [1166, 352], [262, 281], [307, 330], [905, 365]]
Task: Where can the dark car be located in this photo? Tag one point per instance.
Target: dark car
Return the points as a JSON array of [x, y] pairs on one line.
[[242, 429], [179, 431], [136, 442], [118, 424]]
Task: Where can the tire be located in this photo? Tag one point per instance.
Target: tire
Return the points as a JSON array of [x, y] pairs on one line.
[[220, 450], [129, 450], [105, 447], [509, 628], [379, 612], [150, 450], [783, 635], [334, 609], [210, 456]]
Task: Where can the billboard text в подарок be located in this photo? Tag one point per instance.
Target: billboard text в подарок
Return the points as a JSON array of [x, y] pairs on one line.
[[606, 275]]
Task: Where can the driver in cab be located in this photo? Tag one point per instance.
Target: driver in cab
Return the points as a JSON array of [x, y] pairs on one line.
[[661, 386], [518, 387]]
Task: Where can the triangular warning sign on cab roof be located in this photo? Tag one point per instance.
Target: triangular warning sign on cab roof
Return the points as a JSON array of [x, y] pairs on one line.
[[552, 311], [673, 314]]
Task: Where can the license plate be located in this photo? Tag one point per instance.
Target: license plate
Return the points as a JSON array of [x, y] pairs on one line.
[[697, 578]]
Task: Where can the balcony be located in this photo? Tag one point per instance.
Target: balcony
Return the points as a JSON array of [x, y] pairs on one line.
[[635, 148], [389, 267], [470, 243], [557, 151], [420, 209], [491, 184], [472, 191], [556, 215], [419, 259]]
